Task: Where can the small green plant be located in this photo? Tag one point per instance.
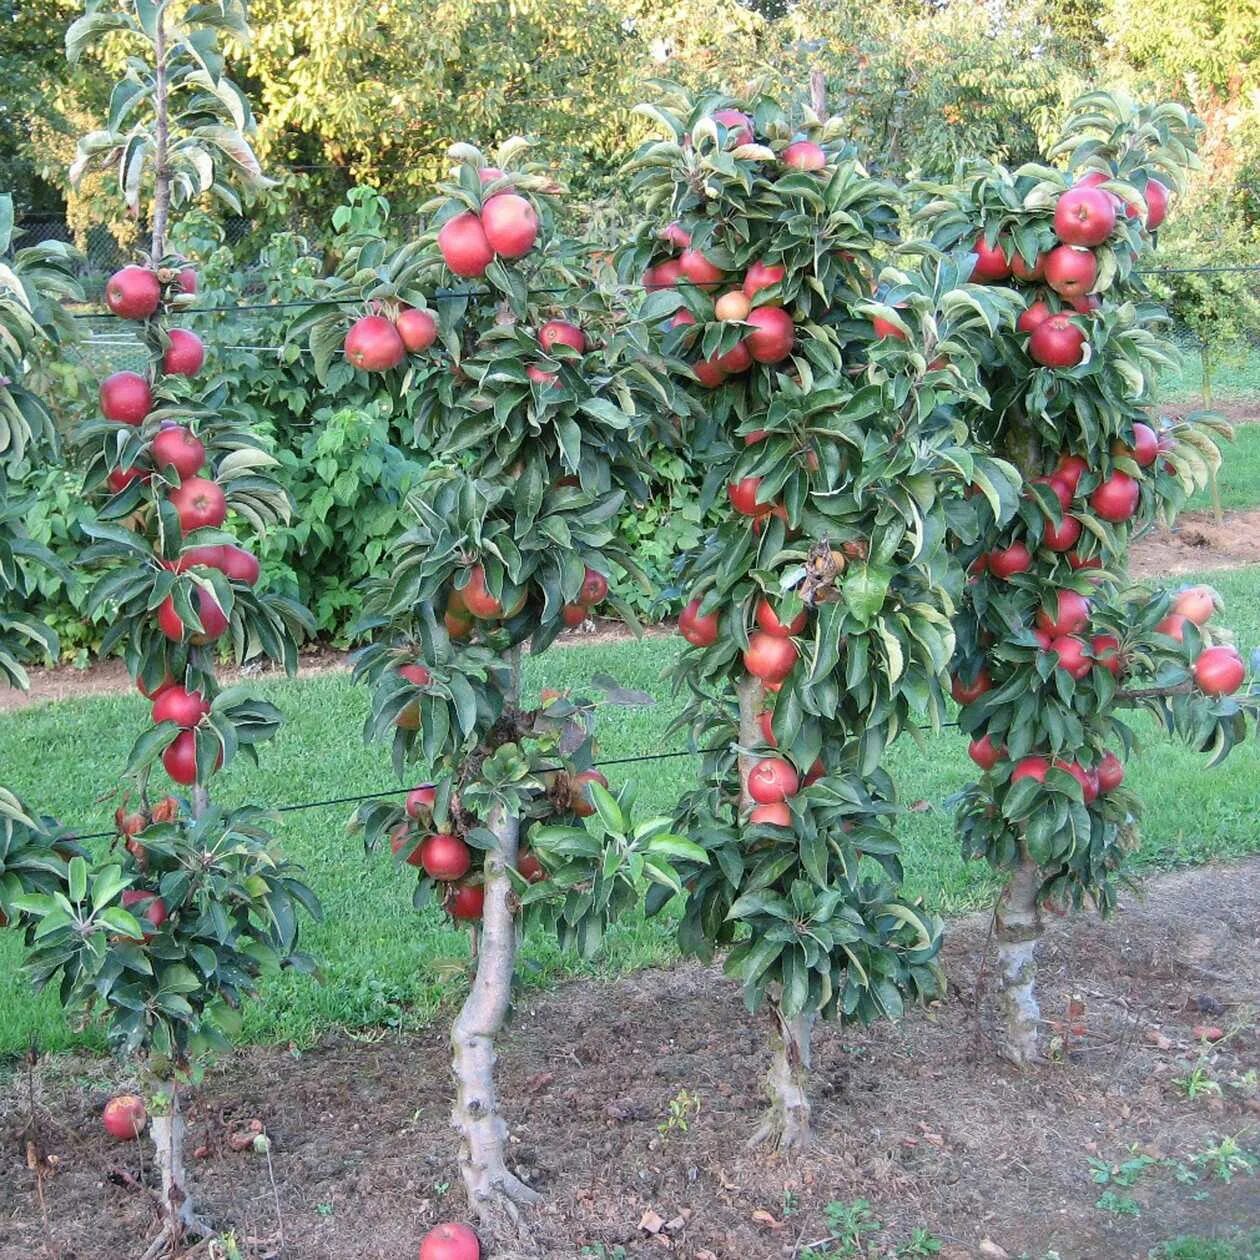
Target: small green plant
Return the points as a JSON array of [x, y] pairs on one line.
[[791, 1202], [597, 1251], [847, 1223], [1197, 1083], [1226, 1160], [922, 1243], [1124, 1174], [1120, 1204], [683, 1108]]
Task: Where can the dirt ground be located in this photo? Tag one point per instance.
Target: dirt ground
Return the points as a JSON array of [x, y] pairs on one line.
[[1197, 542], [919, 1119]]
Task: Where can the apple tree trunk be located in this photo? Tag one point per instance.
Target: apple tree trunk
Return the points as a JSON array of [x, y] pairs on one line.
[[1017, 928]]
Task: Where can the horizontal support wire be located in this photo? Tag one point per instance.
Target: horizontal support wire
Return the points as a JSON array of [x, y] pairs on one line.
[[402, 791], [458, 294]]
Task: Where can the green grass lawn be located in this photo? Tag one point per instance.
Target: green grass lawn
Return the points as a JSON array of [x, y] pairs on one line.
[[1236, 375], [1239, 478], [386, 964]]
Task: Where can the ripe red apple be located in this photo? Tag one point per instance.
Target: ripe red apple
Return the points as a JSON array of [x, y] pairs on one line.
[[769, 621], [1036, 314], [700, 270], [510, 224], [445, 857], [775, 814], [124, 1117], [983, 753], [1071, 272], [991, 262], [1006, 562], [1071, 614], [1056, 342], [769, 657], [882, 329], [743, 497], [760, 276], [558, 332], [177, 448], [969, 692], [1195, 603], [1059, 486], [418, 329], [1145, 446], [185, 354], [120, 478], [374, 344], [573, 615], [213, 623], [1022, 271], [1110, 772], [1116, 498], [463, 245], [1073, 655], [529, 867], [1063, 536], [179, 705], [420, 799], [737, 123], [765, 721], [146, 906], [1156, 204], [1174, 626], [772, 780], [539, 377], [200, 504], [736, 360], [180, 758], [804, 155], [465, 901], [1031, 768], [699, 630], [196, 557], [477, 599], [594, 588], [664, 275], [188, 280], [709, 373], [451, 1241], [732, 306], [676, 235], [582, 804], [126, 398], [1219, 671], [1070, 469], [1088, 779], [239, 565], [1084, 216], [1086, 303], [402, 837], [1106, 652], [133, 293], [772, 335]]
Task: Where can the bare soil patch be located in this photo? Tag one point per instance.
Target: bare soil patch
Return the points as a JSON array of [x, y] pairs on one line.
[[1197, 542], [919, 1118]]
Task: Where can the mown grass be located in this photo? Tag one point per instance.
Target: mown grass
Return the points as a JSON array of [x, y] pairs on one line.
[[1244, 1246], [387, 965], [1236, 375], [1238, 482]]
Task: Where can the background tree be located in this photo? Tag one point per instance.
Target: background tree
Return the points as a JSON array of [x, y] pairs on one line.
[[820, 609], [1054, 640]]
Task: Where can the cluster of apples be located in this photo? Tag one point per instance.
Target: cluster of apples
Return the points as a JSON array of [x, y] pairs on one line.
[[377, 343], [505, 227], [1085, 215], [771, 329], [473, 602], [137, 293]]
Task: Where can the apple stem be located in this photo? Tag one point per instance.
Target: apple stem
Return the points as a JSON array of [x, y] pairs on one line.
[[786, 1124], [1017, 928], [494, 1192]]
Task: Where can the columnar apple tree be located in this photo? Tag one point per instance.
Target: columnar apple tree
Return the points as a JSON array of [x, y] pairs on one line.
[[175, 925], [1054, 641], [539, 397], [820, 611]]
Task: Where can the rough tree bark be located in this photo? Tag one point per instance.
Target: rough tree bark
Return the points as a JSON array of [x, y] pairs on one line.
[[493, 1190], [1017, 928], [786, 1124], [167, 1133]]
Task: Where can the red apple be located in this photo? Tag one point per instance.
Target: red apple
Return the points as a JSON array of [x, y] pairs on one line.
[[769, 621], [1031, 768], [464, 901], [558, 332], [983, 753], [238, 564], [1106, 653], [769, 657], [125, 1117], [462, 242], [452, 1241], [179, 705], [804, 155], [991, 262], [177, 448], [1056, 342], [445, 857], [509, 224], [1071, 272], [200, 503], [133, 293], [738, 125], [1037, 313], [126, 398], [213, 623], [700, 270], [374, 344], [772, 780], [1110, 772], [772, 335], [743, 497], [418, 329], [1219, 671], [1195, 603], [760, 276], [1084, 216], [664, 275], [580, 798], [1006, 562], [1071, 614], [676, 235], [185, 354], [1073, 655], [1070, 469], [1116, 498], [969, 692], [699, 630]]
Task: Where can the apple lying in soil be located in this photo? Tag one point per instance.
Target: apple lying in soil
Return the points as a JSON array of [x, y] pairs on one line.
[[450, 1241], [125, 1117]]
